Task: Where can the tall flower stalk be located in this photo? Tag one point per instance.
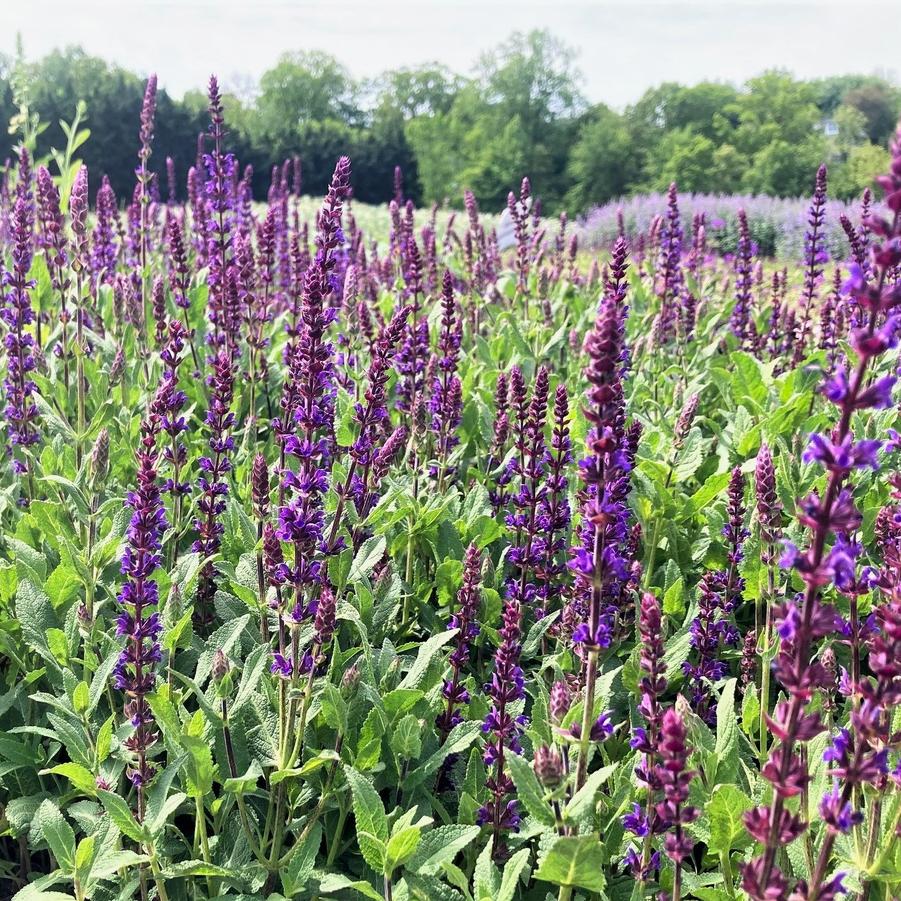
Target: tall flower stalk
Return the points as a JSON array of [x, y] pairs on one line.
[[221, 168], [21, 411], [741, 320], [144, 176], [507, 686], [78, 212], [139, 623], [815, 257], [446, 402], [598, 561], [52, 237], [466, 621], [720, 593], [669, 270], [213, 485], [554, 513], [643, 821], [675, 778], [769, 523]]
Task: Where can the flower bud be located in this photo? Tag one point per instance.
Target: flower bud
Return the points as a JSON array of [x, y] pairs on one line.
[[99, 461], [350, 680], [548, 766]]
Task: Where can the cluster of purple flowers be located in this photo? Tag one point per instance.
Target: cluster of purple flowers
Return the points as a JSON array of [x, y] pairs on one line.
[[446, 401], [720, 592], [643, 822], [741, 317], [213, 485], [598, 562], [554, 514], [465, 620], [528, 468], [503, 726], [308, 407], [670, 280], [139, 623], [21, 412]]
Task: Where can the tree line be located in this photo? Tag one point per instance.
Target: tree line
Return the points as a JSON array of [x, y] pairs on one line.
[[520, 112]]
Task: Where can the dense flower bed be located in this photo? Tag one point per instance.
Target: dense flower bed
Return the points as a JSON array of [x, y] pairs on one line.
[[417, 569]]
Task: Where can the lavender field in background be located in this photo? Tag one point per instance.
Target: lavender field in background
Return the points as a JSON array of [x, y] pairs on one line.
[[777, 225]]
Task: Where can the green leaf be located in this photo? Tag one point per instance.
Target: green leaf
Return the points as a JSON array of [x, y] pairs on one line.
[[369, 745], [406, 741], [9, 580], [121, 815], [239, 784], [166, 809], [84, 857], [427, 653], [486, 878], [583, 801], [439, 846], [104, 739], [512, 871], [58, 834], [401, 848], [198, 765], [195, 868], [529, 791], [101, 678], [81, 698], [459, 739], [296, 876], [537, 632], [709, 490], [335, 882], [371, 551], [750, 710], [690, 457], [371, 822], [674, 599], [108, 864], [254, 666], [58, 642], [31, 892], [81, 777], [726, 807], [401, 700], [576, 861], [334, 708], [35, 616], [726, 748]]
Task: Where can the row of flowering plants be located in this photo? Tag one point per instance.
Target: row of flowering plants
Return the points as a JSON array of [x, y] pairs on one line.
[[398, 566]]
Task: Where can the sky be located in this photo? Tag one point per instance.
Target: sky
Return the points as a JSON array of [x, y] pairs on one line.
[[622, 48]]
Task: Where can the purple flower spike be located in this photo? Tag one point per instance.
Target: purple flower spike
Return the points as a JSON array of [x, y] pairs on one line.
[[21, 412], [212, 482], [139, 623], [507, 685], [466, 621]]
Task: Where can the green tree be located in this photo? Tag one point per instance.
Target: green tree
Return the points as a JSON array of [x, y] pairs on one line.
[[858, 170], [530, 80], [880, 105], [683, 157], [784, 169], [400, 96], [602, 162]]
